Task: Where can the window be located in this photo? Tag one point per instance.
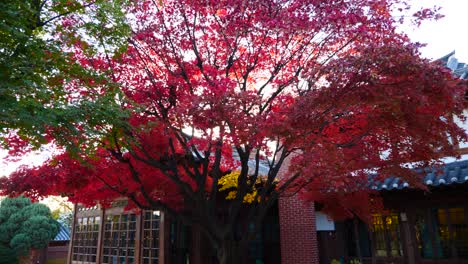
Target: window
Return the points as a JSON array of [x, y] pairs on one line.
[[86, 239], [150, 237], [442, 233], [425, 235], [119, 239], [459, 228], [386, 234]]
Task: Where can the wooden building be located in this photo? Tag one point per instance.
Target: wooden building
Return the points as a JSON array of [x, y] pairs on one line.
[[116, 236], [57, 250], [111, 235], [427, 227]]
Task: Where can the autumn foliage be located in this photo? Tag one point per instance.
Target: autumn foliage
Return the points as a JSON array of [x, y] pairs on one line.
[[311, 96]]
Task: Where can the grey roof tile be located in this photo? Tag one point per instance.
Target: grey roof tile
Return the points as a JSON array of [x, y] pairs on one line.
[[451, 173]]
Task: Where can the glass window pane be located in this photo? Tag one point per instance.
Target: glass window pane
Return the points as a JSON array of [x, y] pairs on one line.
[[379, 235], [442, 236], [459, 231], [393, 233]]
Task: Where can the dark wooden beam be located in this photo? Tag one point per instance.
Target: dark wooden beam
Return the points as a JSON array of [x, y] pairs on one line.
[[100, 237], [138, 237], [72, 235]]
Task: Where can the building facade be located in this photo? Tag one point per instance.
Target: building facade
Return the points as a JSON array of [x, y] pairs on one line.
[[116, 236], [420, 226]]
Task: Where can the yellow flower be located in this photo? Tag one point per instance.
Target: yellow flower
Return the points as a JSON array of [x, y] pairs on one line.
[[229, 181], [231, 195]]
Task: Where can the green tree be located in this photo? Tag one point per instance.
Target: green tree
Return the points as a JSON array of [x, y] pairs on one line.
[[38, 40], [24, 226]]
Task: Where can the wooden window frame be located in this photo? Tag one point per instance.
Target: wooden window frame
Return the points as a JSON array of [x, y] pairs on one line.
[[387, 237]]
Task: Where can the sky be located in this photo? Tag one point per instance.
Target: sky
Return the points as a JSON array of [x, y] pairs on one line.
[[35, 158], [444, 35], [441, 36]]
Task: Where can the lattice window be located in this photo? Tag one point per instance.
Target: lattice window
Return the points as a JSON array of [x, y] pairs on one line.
[[459, 226], [443, 233], [386, 234], [150, 238], [119, 239], [86, 239]]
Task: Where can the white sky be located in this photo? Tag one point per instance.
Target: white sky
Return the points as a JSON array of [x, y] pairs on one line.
[[441, 37], [7, 166], [445, 35]]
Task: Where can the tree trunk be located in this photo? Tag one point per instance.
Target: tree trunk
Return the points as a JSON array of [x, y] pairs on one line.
[[31, 258], [231, 252]]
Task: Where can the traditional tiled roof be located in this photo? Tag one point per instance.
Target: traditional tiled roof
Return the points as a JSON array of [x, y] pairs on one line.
[[63, 235], [462, 71], [451, 173], [263, 167], [459, 69]]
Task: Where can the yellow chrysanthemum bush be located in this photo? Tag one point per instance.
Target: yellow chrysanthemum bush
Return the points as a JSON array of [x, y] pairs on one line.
[[229, 182]]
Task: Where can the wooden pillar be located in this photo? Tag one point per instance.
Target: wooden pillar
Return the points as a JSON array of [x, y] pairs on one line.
[[372, 245], [465, 216], [100, 242], [407, 238], [356, 238], [139, 238], [162, 238], [373, 239], [72, 235]]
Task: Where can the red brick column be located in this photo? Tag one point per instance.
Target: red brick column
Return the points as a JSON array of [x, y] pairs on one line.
[[297, 232]]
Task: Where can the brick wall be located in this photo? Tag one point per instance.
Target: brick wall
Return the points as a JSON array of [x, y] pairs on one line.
[[297, 232]]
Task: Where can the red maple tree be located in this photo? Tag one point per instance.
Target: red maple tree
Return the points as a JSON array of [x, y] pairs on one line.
[[325, 92]]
